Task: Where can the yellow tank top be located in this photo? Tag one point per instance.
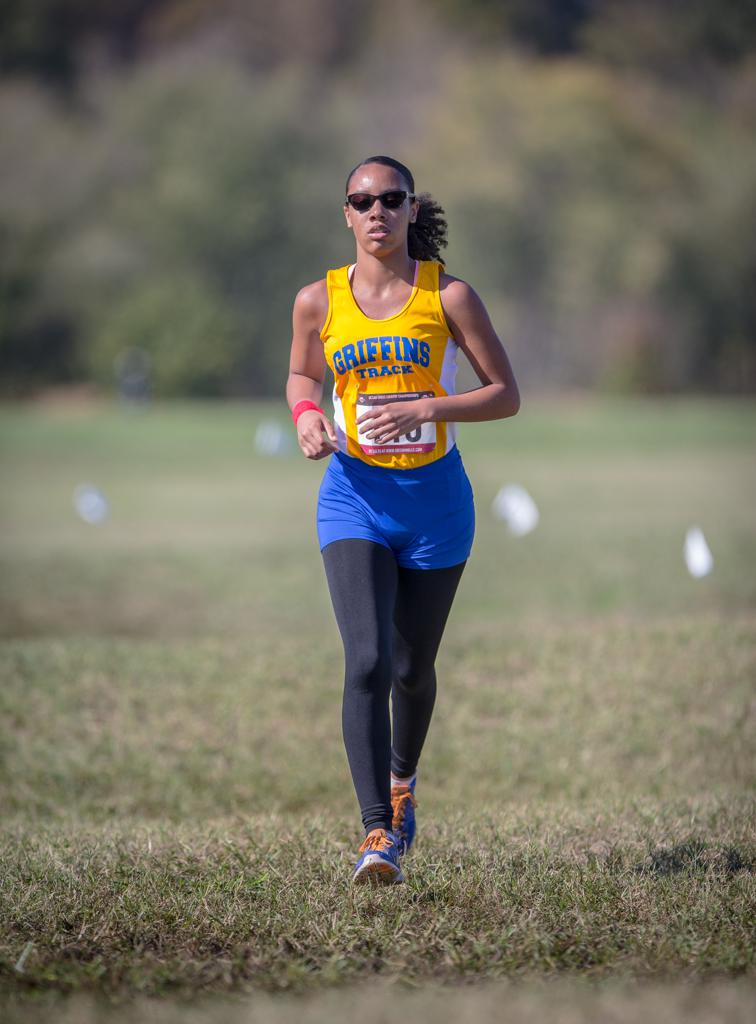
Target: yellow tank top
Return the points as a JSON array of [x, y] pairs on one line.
[[399, 358]]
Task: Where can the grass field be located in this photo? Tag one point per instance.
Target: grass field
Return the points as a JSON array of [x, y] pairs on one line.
[[178, 820]]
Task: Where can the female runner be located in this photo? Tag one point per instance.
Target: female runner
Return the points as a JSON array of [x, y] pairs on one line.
[[395, 515]]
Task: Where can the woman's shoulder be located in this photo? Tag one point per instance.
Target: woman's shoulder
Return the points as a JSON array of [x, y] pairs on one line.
[[456, 294], [310, 303], [446, 280]]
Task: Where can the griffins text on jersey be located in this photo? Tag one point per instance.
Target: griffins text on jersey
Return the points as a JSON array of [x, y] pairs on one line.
[[405, 351]]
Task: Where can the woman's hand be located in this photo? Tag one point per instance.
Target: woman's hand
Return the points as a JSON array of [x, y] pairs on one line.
[[310, 427], [392, 420]]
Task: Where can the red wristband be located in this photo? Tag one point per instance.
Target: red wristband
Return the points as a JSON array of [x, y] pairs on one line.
[[303, 406]]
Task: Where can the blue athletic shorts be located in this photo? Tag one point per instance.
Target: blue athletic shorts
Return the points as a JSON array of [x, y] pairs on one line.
[[425, 515]]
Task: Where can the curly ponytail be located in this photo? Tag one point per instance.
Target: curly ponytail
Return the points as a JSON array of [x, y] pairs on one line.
[[428, 233]]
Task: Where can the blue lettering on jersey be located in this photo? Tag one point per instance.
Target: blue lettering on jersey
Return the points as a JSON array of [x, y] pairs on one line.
[[366, 350], [372, 371], [409, 350], [350, 357]]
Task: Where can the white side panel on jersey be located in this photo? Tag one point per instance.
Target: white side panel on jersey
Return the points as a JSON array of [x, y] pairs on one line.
[[339, 423], [448, 381]]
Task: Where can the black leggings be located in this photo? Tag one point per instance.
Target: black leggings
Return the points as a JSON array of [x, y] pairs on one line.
[[391, 620]]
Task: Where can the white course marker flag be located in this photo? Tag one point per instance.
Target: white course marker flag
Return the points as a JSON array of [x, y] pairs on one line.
[[271, 439], [91, 504], [514, 505], [698, 557]]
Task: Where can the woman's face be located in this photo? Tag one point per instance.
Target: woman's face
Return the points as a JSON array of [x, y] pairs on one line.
[[380, 231]]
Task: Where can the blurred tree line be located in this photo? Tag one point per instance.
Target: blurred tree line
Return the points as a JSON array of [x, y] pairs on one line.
[[173, 172]]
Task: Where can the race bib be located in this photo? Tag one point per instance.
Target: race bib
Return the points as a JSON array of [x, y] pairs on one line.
[[421, 439]]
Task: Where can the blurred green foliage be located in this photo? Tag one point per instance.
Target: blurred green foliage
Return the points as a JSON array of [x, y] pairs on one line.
[[172, 173]]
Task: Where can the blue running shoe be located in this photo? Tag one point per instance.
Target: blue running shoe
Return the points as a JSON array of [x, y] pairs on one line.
[[379, 860], [403, 803]]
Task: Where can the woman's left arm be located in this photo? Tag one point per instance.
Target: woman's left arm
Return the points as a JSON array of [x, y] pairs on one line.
[[473, 331]]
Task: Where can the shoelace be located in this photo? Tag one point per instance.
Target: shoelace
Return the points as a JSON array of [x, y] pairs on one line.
[[399, 804], [378, 839]]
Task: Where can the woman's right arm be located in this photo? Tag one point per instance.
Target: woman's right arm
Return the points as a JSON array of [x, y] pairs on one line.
[[307, 370]]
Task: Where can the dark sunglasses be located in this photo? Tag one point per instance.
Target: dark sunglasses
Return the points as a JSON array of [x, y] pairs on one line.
[[362, 201]]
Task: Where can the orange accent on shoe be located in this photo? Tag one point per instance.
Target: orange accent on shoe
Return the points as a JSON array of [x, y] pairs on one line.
[[376, 839], [399, 797]]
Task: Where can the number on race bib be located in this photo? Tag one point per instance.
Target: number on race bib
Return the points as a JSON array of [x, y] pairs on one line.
[[421, 439]]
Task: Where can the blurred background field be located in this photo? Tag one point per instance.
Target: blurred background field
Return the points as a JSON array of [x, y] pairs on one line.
[[173, 172], [207, 534], [177, 814]]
